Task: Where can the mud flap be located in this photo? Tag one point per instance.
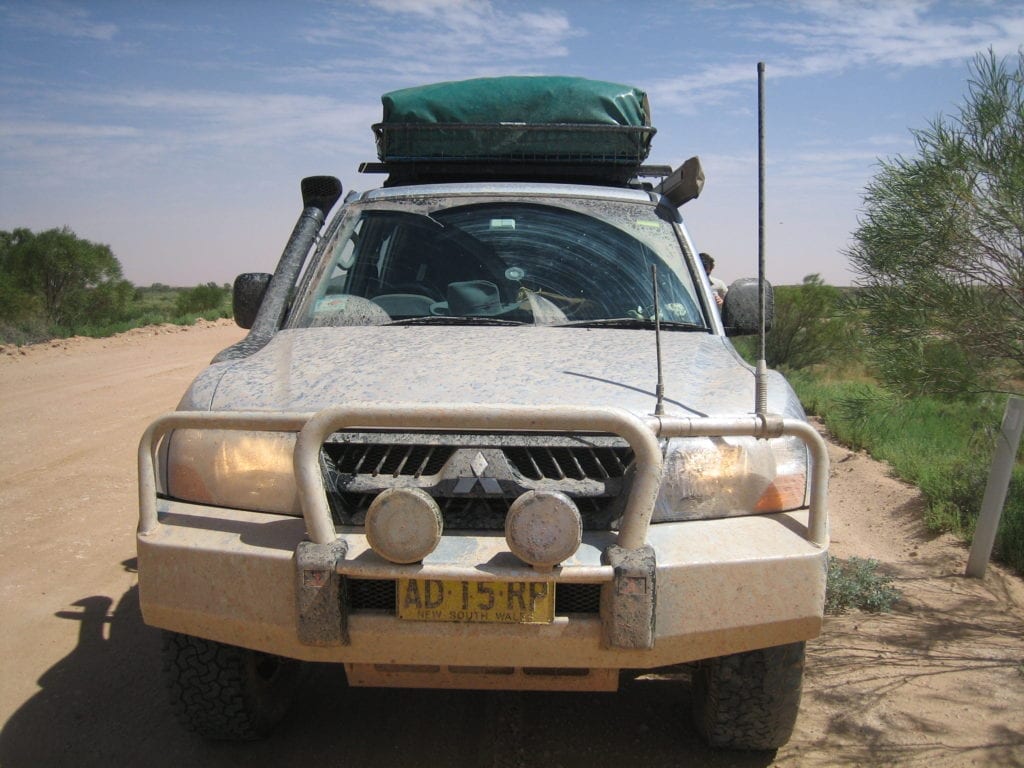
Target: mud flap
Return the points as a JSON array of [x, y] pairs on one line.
[[627, 602], [322, 619]]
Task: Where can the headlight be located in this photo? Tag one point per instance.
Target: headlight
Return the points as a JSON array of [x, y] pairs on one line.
[[731, 476], [226, 468]]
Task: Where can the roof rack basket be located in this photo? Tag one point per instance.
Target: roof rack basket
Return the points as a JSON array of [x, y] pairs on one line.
[[605, 154]]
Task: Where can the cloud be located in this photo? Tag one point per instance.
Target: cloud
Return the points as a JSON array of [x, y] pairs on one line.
[[232, 119], [832, 36], [12, 129], [57, 20], [904, 34], [119, 135], [434, 39]]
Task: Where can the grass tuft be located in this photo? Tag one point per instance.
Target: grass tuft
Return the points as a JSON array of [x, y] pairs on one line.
[[856, 584]]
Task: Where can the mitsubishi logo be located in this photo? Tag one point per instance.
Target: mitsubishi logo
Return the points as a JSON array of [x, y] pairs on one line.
[[467, 484]]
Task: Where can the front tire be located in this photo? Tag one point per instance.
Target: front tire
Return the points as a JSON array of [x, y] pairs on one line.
[[749, 700], [225, 692]]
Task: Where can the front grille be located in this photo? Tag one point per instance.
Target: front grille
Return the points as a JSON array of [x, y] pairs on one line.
[[378, 595], [371, 594], [475, 477], [397, 460], [585, 463], [577, 598]]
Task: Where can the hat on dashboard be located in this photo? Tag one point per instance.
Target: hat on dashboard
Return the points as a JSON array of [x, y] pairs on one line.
[[472, 297]]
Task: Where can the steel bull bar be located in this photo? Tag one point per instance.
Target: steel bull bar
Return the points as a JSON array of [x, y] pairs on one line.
[[628, 571]]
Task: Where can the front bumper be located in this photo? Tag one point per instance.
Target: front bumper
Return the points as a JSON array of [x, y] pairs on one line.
[[255, 580], [722, 586]]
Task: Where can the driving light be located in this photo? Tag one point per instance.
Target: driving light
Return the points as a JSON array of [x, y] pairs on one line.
[[403, 525], [225, 468], [543, 528]]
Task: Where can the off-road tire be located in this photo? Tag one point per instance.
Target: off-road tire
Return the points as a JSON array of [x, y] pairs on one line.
[[224, 692], [749, 700]]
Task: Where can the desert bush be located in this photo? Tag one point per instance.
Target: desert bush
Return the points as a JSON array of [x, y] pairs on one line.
[[202, 298], [943, 447], [812, 326], [856, 584]]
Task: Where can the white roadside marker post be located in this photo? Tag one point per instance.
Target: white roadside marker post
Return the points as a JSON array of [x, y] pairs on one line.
[[998, 483]]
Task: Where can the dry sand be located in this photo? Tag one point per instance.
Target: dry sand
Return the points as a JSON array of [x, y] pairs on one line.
[[937, 682]]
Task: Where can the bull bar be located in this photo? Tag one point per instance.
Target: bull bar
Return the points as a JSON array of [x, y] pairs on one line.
[[321, 560]]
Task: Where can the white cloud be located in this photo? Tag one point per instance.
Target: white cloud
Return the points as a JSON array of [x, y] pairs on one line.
[[831, 36], [690, 93], [57, 19], [10, 129], [897, 33], [417, 40], [233, 119], [122, 134]]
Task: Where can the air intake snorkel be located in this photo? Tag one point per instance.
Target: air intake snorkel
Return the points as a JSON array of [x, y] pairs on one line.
[[319, 194]]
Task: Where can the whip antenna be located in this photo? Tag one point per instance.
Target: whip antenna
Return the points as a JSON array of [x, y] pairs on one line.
[[760, 373], [659, 389]]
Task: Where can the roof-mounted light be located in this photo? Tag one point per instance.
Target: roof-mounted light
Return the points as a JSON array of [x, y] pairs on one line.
[[684, 184]]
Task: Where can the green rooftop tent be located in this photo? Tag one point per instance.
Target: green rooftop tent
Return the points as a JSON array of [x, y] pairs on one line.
[[502, 121]]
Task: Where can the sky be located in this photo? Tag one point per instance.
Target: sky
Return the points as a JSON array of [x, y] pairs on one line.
[[178, 132]]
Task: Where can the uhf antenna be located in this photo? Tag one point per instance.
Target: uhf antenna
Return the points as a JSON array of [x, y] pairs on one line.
[[761, 372], [659, 389]]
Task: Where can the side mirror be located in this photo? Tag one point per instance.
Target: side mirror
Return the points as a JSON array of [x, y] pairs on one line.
[[740, 308], [247, 296]]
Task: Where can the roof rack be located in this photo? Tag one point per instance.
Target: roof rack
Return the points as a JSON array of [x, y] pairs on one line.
[[404, 173], [420, 152]]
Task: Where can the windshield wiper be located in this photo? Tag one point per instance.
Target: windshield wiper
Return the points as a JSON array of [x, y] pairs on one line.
[[445, 320], [633, 322]]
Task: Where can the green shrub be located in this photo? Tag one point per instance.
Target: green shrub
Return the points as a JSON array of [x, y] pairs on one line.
[[943, 447], [812, 325], [856, 584], [27, 330], [202, 298]]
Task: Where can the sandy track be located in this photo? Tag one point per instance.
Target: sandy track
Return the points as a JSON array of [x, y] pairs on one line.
[[939, 682]]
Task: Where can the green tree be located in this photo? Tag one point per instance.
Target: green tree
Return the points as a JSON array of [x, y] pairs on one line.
[[940, 248], [201, 298], [809, 327], [73, 280], [15, 302]]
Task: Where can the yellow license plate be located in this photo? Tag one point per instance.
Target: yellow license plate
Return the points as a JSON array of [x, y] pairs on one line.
[[497, 602]]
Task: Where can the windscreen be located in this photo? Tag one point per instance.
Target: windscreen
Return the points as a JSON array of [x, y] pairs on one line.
[[503, 263]]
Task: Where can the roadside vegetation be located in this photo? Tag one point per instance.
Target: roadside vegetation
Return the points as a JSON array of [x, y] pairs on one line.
[[855, 583], [54, 284], [941, 442], [914, 364]]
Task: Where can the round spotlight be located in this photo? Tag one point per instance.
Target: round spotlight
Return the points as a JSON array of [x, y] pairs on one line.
[[403, 525], [543, 528]]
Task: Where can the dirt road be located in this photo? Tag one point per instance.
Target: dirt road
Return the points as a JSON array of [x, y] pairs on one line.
[[939, 682]]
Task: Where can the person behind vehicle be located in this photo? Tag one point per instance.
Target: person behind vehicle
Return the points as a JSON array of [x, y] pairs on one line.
[[717, 285]]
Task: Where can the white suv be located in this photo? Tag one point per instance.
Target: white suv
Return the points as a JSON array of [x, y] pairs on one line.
[[490, 434]]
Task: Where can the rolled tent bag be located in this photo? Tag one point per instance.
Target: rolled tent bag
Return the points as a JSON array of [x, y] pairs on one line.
[[516, 119]]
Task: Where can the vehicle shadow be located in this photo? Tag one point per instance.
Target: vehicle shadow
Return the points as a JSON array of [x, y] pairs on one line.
[[104, 704]]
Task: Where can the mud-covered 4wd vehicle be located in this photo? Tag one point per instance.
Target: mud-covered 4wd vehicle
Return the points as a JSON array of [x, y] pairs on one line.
[[487, 431]]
